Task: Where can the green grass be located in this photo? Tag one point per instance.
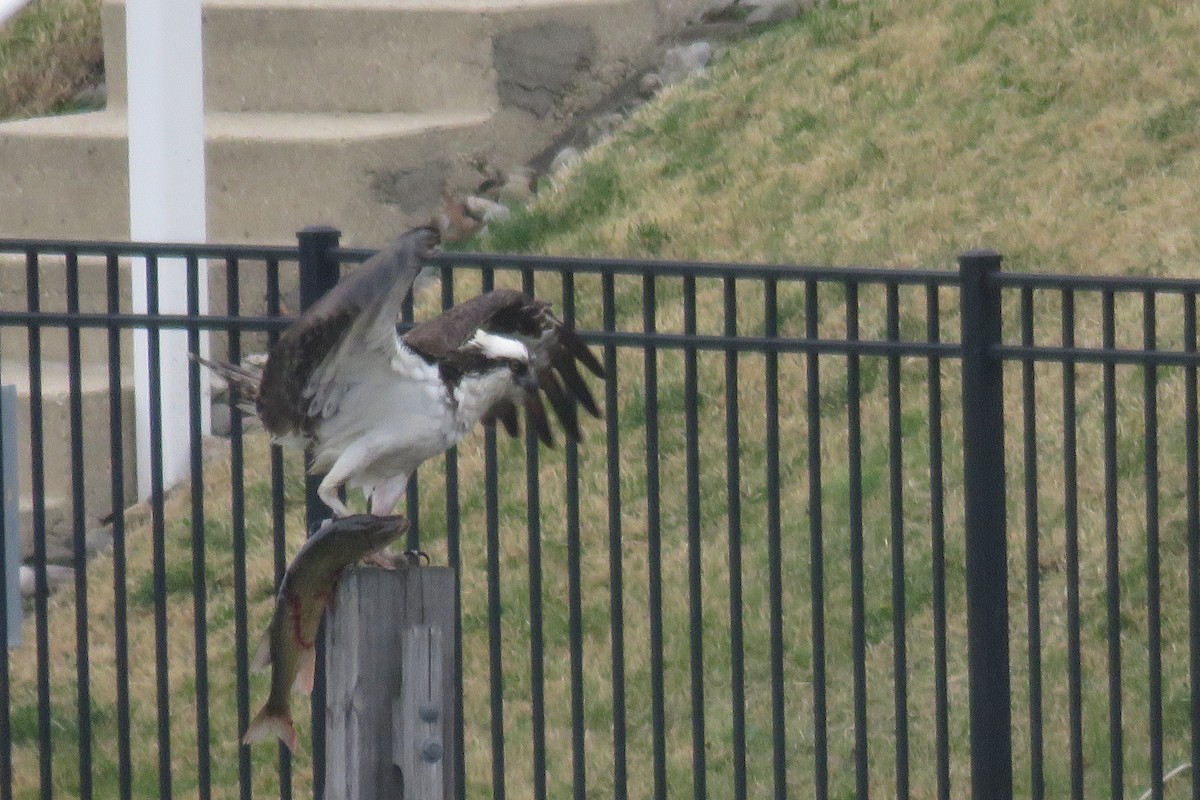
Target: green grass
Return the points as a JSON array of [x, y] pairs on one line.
[[48, 53], [866, 133]]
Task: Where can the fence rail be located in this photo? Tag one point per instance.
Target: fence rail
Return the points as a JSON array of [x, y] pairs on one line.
[[786, 563]]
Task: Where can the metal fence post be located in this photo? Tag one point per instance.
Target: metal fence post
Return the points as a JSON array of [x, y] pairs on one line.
[[319, 272], [987, 552]]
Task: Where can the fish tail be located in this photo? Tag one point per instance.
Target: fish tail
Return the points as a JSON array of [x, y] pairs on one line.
[[268, 723]]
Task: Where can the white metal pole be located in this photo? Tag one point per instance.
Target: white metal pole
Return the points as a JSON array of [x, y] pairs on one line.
[[166, 203]]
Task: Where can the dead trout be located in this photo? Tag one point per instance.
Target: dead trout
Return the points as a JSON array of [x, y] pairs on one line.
[[308, 587]]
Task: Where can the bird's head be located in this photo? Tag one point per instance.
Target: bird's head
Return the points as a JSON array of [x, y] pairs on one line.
[[507, 356]]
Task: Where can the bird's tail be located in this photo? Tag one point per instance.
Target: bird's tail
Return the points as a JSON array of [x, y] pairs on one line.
[[242, 380], [268, 723]]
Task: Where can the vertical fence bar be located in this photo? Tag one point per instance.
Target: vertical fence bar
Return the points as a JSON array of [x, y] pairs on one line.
[[495, 652], [412, 493], [1192, 458], [816, 525], [319, 271], [38, 488], [1037, 778], [774, 542], [158, 537], [7, 444], [896, 497], [116, 446], [79, 530], [616, 581], [278, 506], [199, 580], [574, 584], [1071, 548], [1112, 567], [733, 491], [1153, 593], [454, 558], [658, 715], [120, 594], [691, 393], [937, 535], [858, 634], [237, 515], [537, 658], [987, 556]]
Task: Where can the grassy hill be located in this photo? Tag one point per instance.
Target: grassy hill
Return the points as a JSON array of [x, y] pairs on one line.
[[48, 53], [1062, 134]]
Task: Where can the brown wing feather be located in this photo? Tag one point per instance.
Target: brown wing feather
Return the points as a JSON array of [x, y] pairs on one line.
[[554, 349], [363, 306], [438, 338], [506, 413]]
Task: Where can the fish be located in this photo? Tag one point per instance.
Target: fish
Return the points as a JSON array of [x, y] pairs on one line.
[[308, 586]]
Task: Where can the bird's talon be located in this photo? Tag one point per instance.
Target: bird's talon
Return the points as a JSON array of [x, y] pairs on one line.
[[413, 557], [382, 559]]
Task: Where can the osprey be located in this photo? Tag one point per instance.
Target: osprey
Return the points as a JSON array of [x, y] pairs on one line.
[[374, 404]]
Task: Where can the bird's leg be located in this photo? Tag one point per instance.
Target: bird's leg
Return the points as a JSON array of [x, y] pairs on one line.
[[384, 499], [386, 495], [328, 492]]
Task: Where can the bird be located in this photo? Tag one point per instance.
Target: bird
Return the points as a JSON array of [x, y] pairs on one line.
[[374, 404]]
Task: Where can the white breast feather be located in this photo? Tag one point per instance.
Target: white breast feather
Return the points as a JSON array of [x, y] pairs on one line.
[[398, 416], [477, 393]]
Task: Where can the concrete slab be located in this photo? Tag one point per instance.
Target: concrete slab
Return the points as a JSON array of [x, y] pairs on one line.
[[268, 174]]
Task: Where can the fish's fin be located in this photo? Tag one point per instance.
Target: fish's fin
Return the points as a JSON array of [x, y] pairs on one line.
[[262, 655], [267, 724], [306, 672]]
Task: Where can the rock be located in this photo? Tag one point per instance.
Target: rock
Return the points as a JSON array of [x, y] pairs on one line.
[[56, 576], [649, 85], [684, 61], [486, 210], [514, 186], [771, 12], [604, 126], [566, 159], [455, 222]]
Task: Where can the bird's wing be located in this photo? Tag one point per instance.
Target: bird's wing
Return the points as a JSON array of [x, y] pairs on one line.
[[347, 335], [555, 350]]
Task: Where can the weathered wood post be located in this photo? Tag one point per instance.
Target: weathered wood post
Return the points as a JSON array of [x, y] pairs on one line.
[[389, 661]]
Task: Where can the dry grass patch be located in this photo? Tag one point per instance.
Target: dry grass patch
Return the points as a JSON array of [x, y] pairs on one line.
[[48, 52], [1060, 133]]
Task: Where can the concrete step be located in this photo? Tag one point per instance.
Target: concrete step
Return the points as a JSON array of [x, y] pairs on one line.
[[300, 135], [56, 445], [384, 56], [268, 174]]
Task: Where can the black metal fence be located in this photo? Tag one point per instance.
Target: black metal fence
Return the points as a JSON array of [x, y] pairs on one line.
[[786, 563]]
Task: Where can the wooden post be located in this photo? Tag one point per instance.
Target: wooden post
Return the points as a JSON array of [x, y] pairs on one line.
[[389, 669]]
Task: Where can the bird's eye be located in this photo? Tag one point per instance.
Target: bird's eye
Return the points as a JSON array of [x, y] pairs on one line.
[[519, 367]]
